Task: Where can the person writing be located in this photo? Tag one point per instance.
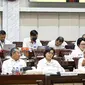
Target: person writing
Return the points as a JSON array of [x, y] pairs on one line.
[[59, 43], [32, 42]]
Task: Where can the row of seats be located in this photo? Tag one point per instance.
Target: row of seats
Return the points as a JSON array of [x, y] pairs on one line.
[[59, 53], [44, 43]]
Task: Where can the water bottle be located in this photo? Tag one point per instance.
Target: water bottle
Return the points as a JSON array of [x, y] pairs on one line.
[[13, 71], [21, 71], [17, 71]]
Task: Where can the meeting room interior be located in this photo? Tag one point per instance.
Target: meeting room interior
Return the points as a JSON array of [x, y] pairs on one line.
[[42, 42]]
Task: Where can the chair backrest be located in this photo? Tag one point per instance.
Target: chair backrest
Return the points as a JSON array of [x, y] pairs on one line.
[[70, 46], [38, 53], [44, 42], [18, 44], [70, 42], [62, 52], [76, 61]]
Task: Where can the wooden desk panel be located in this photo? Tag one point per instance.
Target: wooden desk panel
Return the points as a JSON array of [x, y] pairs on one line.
[[54, 79], [22, 79], [41, 79]]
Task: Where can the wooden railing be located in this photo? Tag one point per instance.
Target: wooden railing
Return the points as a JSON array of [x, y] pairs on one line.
[[42, 79]]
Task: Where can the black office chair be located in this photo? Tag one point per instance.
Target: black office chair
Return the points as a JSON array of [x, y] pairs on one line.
[[70, 46]]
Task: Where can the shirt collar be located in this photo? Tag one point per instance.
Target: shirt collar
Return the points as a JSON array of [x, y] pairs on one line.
[[47, 61], [14, 60]]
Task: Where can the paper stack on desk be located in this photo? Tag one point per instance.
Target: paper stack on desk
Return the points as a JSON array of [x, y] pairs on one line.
[[33, 72], [80, 71], [69, 73]]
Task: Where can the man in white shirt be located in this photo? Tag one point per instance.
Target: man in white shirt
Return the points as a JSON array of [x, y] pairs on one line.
[[13, 62], [59, 43], [49, 65], [32, 42], [3, 39]]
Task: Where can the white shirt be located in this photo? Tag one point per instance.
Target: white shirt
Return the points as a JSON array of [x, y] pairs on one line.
[[8, 65], [76, 47], [76, 53], [80, 63], [27, 43], [49, 67], [52, 44]]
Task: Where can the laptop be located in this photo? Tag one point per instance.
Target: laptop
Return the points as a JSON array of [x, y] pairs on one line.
[[42, 47], [8, 47]]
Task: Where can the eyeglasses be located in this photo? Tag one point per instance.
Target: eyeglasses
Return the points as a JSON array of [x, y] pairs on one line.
[[82, 44], [51, 53]]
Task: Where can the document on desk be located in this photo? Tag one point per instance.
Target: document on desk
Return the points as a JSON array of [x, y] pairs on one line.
[[31, 72], [69, 73]]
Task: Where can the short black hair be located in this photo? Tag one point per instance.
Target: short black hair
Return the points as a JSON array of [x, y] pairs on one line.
[[83, 35], [80, 40], [13, 50], [2, 32], [33, 33], [48, 49], [60, 39]]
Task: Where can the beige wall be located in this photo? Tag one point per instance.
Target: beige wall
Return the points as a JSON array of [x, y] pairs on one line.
[[0, 20], [51, 25], [24, 3], [0, 2], [28, 21]]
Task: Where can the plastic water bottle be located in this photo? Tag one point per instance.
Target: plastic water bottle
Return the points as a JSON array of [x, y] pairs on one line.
[[13, 71], [21, 71], [17, 71]]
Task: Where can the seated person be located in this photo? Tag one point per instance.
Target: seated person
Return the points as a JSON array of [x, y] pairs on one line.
[[81, 62], [3, 39], [13, 62], [49, 65], [59, 43], [32, 42], [79, 51], [83, 36]]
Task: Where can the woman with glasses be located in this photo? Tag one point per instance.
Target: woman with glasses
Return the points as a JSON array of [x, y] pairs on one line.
[[48, 64]]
